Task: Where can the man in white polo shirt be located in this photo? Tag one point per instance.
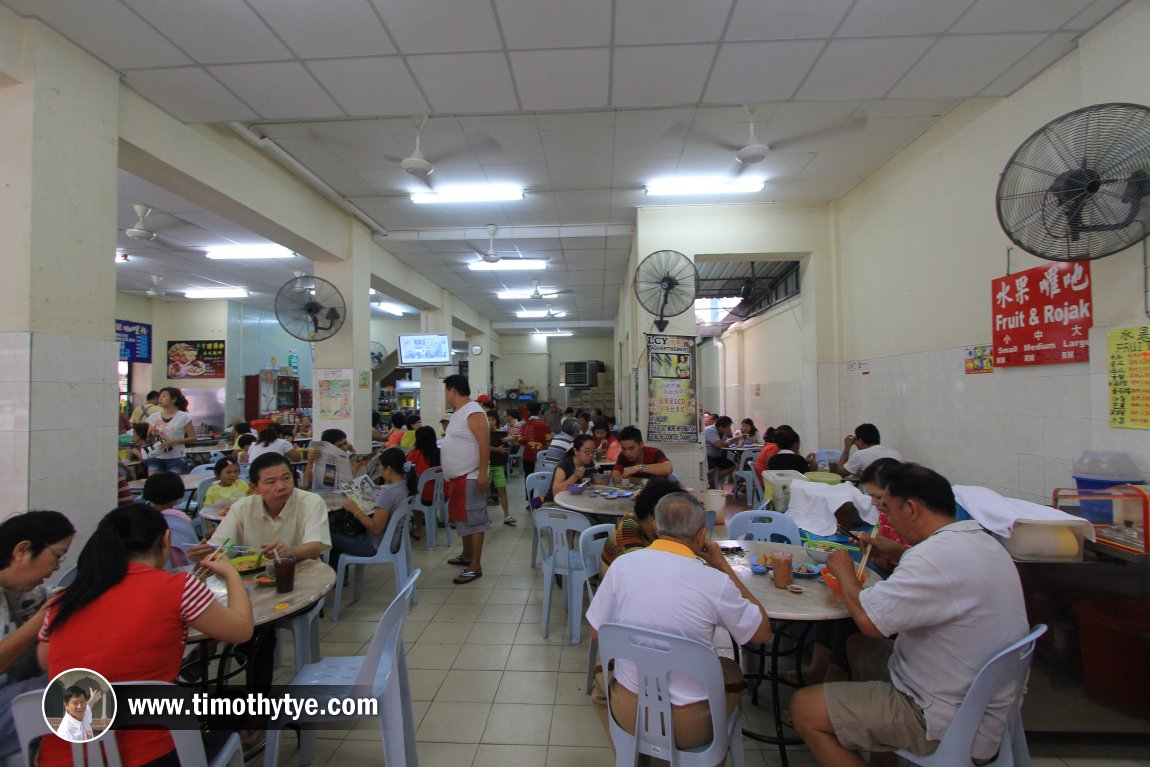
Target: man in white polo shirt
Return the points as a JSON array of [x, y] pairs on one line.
[[954, 601], [681, 584]]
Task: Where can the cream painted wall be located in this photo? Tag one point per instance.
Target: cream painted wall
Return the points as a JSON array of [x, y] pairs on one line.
[[918, 246], [526, 358], [764, 379]]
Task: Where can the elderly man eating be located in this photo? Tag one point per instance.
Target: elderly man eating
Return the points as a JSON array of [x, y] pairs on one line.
[[680, 584], [954, 601]]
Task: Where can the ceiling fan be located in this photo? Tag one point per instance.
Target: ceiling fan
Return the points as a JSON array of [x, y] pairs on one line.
[[140, 231], [538, 295], [155, 291], [491, 256], [416, 164]]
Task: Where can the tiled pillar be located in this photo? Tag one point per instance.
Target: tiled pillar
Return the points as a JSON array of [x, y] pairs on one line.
[[349, 348], [431, 393], [58, 396]]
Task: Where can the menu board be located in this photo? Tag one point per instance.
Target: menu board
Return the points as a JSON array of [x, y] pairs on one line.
[[1128, 365], [135, 341], [671, 389], [196, 359], [1041, 315]]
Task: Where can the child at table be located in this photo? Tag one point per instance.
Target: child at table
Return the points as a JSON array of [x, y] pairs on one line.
[[229, 486], [163, 490]]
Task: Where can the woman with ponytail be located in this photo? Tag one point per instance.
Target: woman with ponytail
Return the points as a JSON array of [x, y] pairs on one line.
[[127, 618], [397, 486], [424, 456]]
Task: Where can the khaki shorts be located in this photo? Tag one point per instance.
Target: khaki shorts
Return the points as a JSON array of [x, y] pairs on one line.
[[477, 519], [872, 715]]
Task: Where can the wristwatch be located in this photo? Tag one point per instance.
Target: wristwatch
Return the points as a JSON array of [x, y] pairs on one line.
[[641, 466]]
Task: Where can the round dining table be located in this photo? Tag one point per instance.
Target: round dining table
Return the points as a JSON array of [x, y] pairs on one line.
[[589, 502]]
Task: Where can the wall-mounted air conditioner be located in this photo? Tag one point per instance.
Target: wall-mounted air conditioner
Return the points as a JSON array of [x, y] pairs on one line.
[[580, 375]]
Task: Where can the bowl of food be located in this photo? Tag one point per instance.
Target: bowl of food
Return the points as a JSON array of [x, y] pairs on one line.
[[819, 550], [804, 570], [833, 582], [576, 489], [248, 563], [758, 569]]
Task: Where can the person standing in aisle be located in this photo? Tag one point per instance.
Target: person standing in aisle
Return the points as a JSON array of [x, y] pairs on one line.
[[466, 464]]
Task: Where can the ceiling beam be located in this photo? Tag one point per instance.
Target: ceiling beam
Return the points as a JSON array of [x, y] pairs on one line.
[[506, 233]]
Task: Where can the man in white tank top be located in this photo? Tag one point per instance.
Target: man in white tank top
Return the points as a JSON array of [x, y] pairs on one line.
[[464, 457]]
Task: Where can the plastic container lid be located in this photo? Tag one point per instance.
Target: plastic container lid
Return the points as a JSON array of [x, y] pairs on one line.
[[1106, 464]]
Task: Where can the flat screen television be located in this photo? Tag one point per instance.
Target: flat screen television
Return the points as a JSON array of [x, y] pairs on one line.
[[425, 350]]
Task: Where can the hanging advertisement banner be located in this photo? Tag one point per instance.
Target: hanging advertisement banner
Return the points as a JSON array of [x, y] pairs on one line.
[[1128, 368], [671, 389], [1041, 316]]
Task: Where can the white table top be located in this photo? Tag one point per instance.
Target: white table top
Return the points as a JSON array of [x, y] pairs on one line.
[[816, 603], [595, 504]]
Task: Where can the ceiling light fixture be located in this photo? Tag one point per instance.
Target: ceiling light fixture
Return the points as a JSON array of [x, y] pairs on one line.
[[247, 252], [698, 185], [121, 256], [487, 193], [552, 333], [216, 293], [527, 314], [509, 265], [390, 308]]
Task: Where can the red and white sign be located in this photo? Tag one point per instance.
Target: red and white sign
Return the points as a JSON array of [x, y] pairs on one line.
[[1042, 315]]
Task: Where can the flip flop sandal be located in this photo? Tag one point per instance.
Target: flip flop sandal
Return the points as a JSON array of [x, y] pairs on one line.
[[510, 521], [467, 576], [459, 561]]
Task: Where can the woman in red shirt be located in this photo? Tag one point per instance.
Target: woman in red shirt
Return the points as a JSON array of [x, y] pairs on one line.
[[424, 456], [127, 618]]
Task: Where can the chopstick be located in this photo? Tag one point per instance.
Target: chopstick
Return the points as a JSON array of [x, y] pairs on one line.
[[200, 569], [866, 554]]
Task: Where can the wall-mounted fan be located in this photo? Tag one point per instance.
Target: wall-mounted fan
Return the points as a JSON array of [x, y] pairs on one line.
[[665, 284], [378, 355], [310, 308], [1077, 189], [756, 297]]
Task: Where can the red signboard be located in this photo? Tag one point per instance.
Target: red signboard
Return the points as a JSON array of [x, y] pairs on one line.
[[1042, 315]]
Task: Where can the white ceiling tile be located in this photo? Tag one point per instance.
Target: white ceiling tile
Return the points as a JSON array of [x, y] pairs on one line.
[[189, 94], [909, 107], [862, 69], [638, 171], [341, 176], [370, 86], [585, 261], [1094, 13], [333, 28], [576, 121], [779, 19], [562, 79], [857, 156], [534, 210], [620, 241], [806, 127], [466, 82], [441, 26], [500, 139], [582, 207], [964, 65], [818, 190], [651, 132], [555, 23], [994, 16], [752, 72], [888, 18], [660, 75], [581, 158], [638, 22], [213, 31], [277, 90], [1049, 51], [531, 176], [107, 29]]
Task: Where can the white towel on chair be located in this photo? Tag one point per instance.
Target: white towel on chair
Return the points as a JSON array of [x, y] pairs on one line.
[[998, 514], [813, 505]]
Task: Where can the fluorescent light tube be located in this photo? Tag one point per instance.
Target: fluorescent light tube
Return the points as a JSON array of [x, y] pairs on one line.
[[527, 314], [553, 334], [703, 185], [487, 193], [509, 265], [248, 252], [395, 309], [216, 293]]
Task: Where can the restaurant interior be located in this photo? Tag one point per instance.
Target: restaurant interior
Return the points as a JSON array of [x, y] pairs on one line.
[[174, 173]]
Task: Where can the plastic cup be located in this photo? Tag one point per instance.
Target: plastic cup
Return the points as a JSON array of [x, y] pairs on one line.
[[781, 565], [285, 574]]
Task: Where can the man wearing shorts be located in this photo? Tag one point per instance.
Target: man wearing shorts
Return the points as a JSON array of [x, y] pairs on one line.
[[954, 601], [465, 457]]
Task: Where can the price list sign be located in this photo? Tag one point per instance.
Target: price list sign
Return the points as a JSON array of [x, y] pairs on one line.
[[1128, 363], [1041, 316], [135, 341]]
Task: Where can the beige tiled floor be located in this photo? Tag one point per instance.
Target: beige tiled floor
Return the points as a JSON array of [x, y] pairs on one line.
[[489, 691]]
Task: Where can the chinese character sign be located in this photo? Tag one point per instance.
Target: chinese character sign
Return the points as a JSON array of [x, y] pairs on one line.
[[671, 389], [1128, 369], [1041, 316], [196, 359], [135, 341]]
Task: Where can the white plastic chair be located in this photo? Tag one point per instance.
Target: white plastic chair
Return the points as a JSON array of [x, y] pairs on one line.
[[514, 460], [538, 485], [1008, 668], [546, 464], [28, 716], [183, 536], [758, 525], [560, 559], [399, 556], [591, 543], [753, 483], [657, 655], [304, 630], [437, 511], [382, 670]]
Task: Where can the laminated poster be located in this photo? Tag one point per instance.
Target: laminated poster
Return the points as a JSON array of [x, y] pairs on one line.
[[1128, 369], [671, 404], [333, 394]]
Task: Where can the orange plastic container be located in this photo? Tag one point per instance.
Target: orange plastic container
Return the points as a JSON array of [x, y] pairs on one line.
[[833, 582]]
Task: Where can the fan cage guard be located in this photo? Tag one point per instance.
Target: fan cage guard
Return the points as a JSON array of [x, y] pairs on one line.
[[310, 308], [1079, 188], [665, 283]]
